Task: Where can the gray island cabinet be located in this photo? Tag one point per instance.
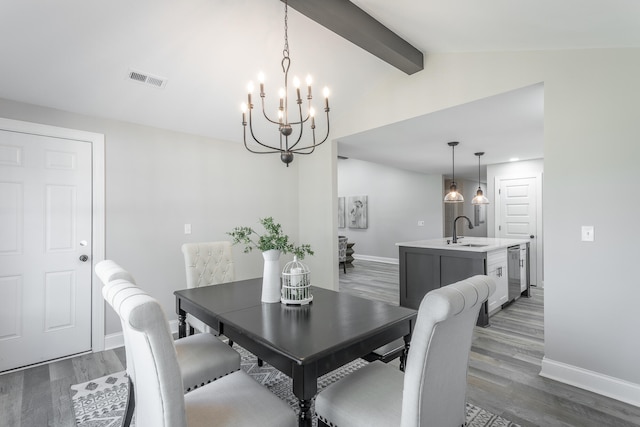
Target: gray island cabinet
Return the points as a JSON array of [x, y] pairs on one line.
[[429, 264]]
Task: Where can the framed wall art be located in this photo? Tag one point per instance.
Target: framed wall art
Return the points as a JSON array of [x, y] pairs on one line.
[[357, 211]]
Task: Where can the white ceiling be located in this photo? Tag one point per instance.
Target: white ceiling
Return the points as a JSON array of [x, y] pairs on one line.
[[504, 127], [75, 55]]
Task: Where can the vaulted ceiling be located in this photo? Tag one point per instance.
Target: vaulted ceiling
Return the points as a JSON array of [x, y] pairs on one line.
[[76, 55]]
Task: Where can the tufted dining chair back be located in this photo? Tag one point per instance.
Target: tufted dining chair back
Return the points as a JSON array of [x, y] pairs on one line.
[[108, 271], [158, 379], [235, 400], [432, 390], [202, 359], [435, 380], [207, 263]]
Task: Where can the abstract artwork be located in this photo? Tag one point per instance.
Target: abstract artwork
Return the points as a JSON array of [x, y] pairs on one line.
[[357, 211], [341, 212]]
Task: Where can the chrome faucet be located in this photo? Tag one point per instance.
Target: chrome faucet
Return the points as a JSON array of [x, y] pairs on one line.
[[454, 235]]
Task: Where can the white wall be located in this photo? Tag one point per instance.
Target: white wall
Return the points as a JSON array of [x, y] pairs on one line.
[[397, 200], [591, 135], [157, 181]]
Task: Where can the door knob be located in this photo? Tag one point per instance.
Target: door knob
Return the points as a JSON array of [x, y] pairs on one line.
[[531, 236], [84, 258]]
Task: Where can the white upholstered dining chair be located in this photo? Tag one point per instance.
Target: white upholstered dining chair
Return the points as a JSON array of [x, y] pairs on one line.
[[234, 400], [108, 271], [207, 263], [202, 358], [432, 389]]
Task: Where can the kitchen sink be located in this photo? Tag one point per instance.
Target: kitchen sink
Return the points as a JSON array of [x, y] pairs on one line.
[[473, 245]]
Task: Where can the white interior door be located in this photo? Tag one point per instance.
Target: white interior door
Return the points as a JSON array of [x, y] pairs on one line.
[[45, 232], [517, 216]]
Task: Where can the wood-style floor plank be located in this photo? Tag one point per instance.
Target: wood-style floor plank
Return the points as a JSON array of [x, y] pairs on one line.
[[36, 397], [11, 390]]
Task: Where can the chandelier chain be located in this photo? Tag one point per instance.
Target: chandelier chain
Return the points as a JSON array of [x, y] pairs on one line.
[[286, 30]]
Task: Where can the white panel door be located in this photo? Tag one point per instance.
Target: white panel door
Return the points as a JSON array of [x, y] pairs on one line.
[[517, 213], [45, 228]]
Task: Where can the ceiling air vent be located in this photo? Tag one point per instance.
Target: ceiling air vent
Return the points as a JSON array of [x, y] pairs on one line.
[[146, 78]]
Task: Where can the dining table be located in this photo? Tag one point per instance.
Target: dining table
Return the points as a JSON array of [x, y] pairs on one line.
[[303, 342]]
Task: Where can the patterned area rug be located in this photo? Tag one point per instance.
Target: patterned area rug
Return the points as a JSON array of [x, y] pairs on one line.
[[101, 402]]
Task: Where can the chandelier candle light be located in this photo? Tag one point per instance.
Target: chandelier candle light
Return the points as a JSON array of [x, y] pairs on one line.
[[286, 147]]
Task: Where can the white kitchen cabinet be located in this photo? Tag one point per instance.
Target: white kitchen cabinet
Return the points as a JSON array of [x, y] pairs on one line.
[[497, 270]]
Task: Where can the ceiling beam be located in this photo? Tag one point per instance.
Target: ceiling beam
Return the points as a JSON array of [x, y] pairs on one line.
[[354, 24]]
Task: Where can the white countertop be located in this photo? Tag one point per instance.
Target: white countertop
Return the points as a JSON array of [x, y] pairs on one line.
[[478, 244]]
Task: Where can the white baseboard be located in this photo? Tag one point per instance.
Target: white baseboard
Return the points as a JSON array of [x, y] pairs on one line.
[[605, 385], [112, 341], [376, 259], [116, 340]]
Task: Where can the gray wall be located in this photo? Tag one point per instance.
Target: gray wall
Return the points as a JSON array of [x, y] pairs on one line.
[[156, 181], [398, 199]]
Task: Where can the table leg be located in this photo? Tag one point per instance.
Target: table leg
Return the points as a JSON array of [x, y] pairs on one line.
[[405, 352], [305, 387], [182, 324], [305, 413]]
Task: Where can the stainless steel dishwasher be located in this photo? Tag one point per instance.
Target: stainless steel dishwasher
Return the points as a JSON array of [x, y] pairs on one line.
[[513, 272]]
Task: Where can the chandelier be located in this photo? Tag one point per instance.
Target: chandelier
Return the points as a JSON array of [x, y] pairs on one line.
[[290, 123]]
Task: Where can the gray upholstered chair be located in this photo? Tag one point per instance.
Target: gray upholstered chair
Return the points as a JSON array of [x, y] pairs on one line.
[[234, 400], [432, 389], [342, 252], [202, 358], [208, 263]]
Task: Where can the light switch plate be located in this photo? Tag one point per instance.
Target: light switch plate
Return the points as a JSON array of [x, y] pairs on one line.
[[187, 229], [420, 223], [587, 233]]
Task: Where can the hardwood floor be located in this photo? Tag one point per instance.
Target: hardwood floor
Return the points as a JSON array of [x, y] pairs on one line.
[[39, 396], [505, 362], [503, 370]]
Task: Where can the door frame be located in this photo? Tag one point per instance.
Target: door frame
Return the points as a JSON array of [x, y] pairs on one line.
[[539, 223], [97, 209]]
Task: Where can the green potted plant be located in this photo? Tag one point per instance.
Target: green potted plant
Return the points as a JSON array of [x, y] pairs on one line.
[[272, 239], [272, 243]]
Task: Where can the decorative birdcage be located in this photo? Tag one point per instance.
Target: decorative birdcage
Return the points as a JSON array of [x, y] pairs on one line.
[[296, 283]]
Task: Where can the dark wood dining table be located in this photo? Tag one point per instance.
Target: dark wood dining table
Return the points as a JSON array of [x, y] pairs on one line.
[[303, 342]]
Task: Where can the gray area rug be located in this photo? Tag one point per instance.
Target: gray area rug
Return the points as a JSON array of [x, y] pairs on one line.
[[101, 402]]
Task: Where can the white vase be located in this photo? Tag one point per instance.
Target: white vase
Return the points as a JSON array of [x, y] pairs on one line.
[[271, 276]]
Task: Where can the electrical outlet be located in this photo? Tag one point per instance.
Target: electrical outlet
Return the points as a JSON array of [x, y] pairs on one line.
[[187, 229], [421, 223], [587, 233]]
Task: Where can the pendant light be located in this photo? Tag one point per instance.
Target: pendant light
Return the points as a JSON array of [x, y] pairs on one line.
[[479, 199], [453, 196]]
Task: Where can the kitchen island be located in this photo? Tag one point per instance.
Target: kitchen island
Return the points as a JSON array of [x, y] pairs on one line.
[[429, 264]]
